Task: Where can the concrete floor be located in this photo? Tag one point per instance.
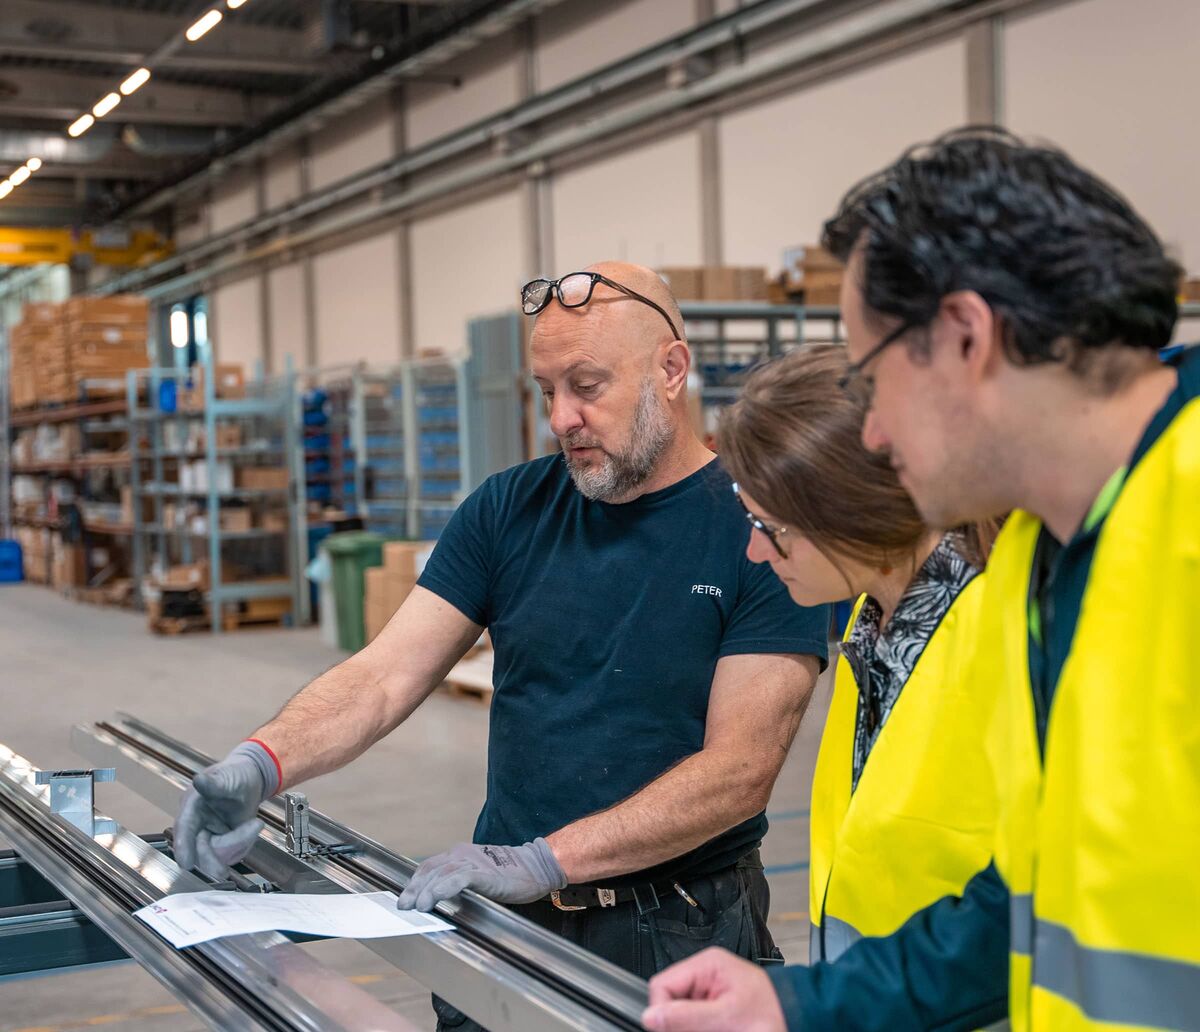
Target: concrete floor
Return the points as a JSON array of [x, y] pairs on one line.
[[417, 791]]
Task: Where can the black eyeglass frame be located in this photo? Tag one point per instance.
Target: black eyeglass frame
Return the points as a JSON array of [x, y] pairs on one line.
[[554, 290], [854, 371], [758, 523]]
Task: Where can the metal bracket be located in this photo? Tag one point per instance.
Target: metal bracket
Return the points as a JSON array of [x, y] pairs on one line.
[[73, 797], [295, 818]]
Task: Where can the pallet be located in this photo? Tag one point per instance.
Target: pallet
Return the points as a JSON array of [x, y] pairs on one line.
[[472, 676], [173, 625], [245, 621]]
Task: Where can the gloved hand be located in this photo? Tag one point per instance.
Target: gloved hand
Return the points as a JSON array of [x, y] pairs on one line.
[[216, 825], [507, 874]]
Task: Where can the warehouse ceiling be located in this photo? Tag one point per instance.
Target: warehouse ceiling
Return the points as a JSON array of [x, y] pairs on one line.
[[262, 63]]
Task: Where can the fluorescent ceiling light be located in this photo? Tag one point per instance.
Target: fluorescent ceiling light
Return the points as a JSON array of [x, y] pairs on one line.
[[136, 80], [206, 22], [234, 4], [19, 176], [81, 125], [105, 104], [33, 164], [5, 189]]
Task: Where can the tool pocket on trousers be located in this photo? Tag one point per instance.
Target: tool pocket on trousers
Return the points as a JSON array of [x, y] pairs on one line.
[[673, 940]]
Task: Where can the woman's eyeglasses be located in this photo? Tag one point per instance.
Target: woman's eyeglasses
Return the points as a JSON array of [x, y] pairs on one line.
[[772, 533]]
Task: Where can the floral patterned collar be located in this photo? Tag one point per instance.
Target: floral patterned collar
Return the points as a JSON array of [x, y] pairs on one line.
[[882, 660]]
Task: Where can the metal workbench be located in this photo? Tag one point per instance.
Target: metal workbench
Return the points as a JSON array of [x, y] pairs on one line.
[[67, 897]]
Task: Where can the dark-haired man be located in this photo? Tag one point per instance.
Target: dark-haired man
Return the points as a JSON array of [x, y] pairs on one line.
[[1005, 310], [649, 678]]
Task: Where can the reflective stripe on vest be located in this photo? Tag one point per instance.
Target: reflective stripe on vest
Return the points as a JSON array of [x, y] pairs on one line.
[[922, 820], [1115, 986], [831, 939], [1099, 845]]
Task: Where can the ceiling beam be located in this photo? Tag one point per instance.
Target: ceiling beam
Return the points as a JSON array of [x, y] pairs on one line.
[[42, 93], [34, 28], [186, 61]]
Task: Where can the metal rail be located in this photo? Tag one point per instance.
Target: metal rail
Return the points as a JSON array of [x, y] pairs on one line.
[[495, 966], [251, 982]]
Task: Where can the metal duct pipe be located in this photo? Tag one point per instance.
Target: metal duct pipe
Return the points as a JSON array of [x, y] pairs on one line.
[[825, 41], [169, 141], [18, 144]]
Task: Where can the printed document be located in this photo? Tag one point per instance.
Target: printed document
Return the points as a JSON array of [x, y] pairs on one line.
[[186, 918]]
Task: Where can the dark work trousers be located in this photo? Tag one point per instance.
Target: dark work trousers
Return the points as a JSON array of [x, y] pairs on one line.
[[733, 909]]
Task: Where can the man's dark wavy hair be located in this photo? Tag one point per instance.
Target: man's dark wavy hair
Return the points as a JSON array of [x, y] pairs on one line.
[[1059, 255]]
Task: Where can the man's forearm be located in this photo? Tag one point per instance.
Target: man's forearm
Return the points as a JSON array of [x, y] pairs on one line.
[[330, 722], [706, 794]]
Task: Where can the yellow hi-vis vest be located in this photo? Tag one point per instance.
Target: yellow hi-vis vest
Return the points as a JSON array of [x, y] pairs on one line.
[[1100, 844], [922, 820]]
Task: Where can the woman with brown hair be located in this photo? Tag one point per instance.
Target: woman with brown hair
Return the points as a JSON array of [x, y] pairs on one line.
[[903, 808]]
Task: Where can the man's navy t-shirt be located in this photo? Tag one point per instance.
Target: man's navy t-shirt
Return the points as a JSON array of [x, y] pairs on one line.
[[607, 623]]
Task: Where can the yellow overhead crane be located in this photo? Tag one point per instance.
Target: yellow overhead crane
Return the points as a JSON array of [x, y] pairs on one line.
[[110, 246]]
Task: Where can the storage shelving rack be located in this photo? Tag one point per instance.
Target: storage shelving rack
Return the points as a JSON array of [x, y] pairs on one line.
[[728, 338], [437, 441], [104, 416], [270, 414]]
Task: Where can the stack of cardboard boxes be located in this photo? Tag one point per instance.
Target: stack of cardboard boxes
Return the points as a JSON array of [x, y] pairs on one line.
[[106, 336], [56, 346], [812, 273], [716, 282], [387, 586], [40, 373]]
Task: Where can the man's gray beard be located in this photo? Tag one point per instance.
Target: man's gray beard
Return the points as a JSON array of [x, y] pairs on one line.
[[620, 474]]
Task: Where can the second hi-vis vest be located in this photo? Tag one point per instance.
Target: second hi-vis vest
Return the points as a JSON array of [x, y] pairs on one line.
[[1100, 843], [922, 821]]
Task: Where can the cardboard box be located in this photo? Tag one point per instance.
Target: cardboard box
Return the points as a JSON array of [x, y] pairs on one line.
[[1189, 290], [275, 521], [69, 566], [685, 282], [42, 312], [735, 283], [119, 308], [186, 576], [263, 478], [229, 383], [405, 560], [375, 607], [236, 519]]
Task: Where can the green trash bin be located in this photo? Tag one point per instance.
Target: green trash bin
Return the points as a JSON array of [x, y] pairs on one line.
[[352, 553]]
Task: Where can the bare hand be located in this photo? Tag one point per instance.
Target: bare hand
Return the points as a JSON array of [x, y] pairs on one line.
[[714, 991]]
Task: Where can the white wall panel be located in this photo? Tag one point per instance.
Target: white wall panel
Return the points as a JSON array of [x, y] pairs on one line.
[[235, 199], [1111, 82], [466, 263], [237, 324], [574, 39], [285, 287], [639, 206], [358, 302], [282, 174], [490, 82], [785, 164], [357, 140]]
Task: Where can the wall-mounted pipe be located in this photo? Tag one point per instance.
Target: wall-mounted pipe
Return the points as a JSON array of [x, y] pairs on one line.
[[858, 28]]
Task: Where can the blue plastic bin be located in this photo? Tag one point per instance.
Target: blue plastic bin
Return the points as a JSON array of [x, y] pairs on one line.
[[12, 569]]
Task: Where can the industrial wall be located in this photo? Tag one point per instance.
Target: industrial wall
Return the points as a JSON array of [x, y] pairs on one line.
[[1106, 79]]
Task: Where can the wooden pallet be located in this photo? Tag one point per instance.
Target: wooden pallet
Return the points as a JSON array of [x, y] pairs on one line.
[[472, 676], [245, 621], [172, 625]]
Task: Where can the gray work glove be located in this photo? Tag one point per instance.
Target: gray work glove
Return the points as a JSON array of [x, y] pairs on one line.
[[217, 825], [507, 874]]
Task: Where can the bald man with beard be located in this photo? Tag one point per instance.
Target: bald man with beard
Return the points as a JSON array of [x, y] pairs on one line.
[[648, 677]]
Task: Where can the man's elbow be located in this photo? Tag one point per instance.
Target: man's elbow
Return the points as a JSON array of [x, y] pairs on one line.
[[750, 791]]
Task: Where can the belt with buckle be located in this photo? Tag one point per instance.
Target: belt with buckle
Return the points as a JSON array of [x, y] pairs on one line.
[[585, 897]]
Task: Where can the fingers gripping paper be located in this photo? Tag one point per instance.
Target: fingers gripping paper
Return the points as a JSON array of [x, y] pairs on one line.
[[187, 918]]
